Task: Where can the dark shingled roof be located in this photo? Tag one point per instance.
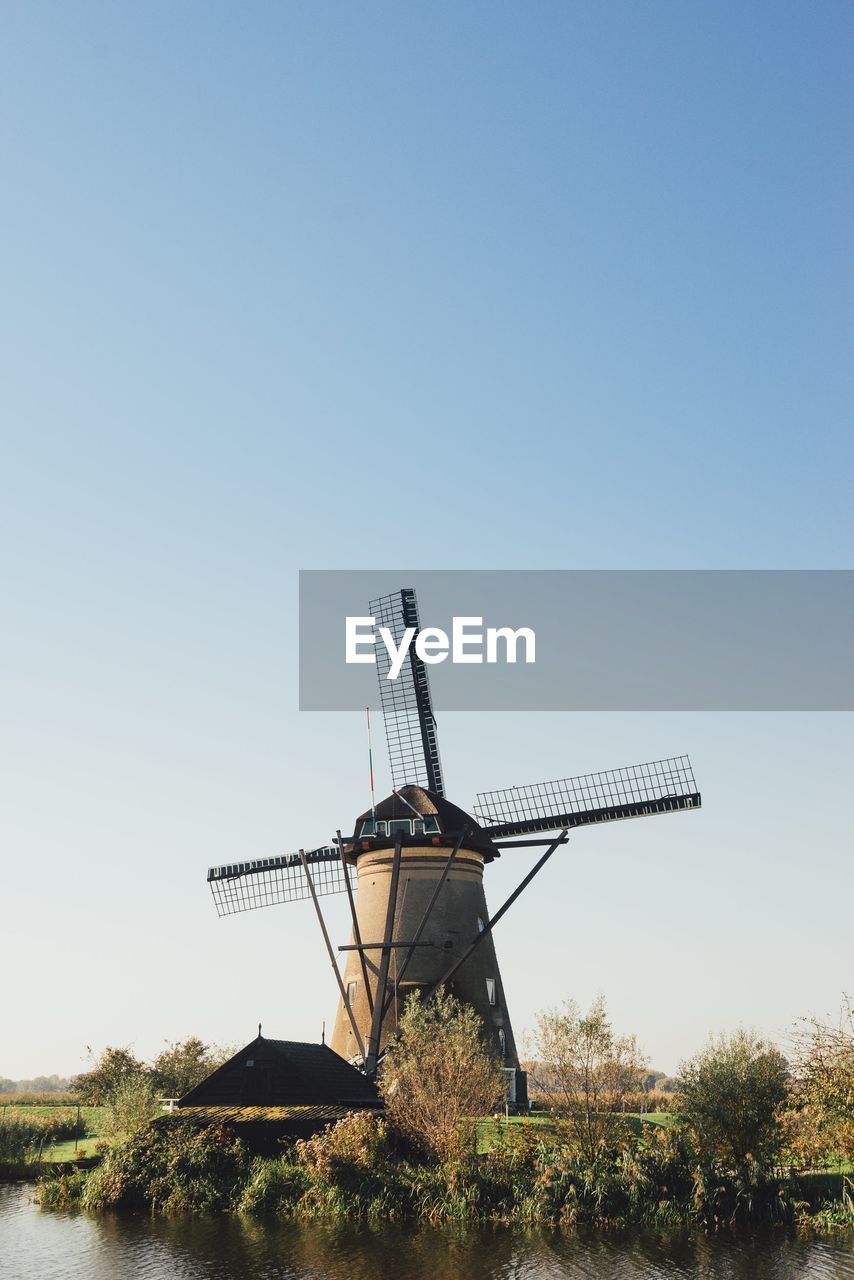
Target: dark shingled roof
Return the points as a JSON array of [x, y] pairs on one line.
[[283, 1073]]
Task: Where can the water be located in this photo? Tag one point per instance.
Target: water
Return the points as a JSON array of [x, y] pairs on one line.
[[55, 1246]]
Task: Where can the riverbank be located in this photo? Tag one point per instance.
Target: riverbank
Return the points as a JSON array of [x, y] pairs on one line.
[[655, 1180]]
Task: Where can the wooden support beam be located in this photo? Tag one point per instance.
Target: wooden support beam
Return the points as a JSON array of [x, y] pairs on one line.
[[331, 954], [373, 1047]]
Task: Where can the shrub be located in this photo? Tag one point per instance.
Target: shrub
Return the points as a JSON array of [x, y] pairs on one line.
[[131, 1106], [170, 1169], [439, 1077], [359, 1141], [273, 1186], [823, 1128], [731, 1095], [63, 1190]]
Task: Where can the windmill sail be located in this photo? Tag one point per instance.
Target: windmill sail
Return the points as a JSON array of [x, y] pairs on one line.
[[243, 886], [410, 726], [659, 786]]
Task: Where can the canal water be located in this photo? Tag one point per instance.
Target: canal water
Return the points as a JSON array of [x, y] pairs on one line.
[[36, 1245]]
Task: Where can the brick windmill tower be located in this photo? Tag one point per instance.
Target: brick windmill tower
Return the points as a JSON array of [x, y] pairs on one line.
[[415, 865]]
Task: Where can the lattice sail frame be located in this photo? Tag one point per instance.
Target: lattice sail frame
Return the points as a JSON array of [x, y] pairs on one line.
[[264, 882], [410, 726], [635, 791]]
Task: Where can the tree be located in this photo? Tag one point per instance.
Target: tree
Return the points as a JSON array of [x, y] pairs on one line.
[[586, 1072], [824, 1086], [731, 1095], [44, 1084], [131, 1105], [184, 1064], [439, 1076], [94, 1087]]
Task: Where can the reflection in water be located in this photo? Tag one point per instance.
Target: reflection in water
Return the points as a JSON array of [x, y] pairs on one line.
[[53, 1246]]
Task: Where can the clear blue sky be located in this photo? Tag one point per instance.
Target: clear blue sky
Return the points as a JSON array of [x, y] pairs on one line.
[[471, 285]]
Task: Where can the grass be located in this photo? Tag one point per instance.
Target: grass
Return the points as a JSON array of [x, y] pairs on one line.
[[60, 1152], [539, 1123], [666, 1119], [490, 1132]]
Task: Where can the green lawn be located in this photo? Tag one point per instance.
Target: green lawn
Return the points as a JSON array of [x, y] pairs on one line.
[[60, 1151], [489, 1132], [666, 1119]]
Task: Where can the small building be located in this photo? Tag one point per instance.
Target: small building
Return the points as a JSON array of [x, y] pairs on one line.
[[278, 1089]]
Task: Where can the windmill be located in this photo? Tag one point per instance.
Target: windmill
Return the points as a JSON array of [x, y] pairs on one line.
[[422, 922]]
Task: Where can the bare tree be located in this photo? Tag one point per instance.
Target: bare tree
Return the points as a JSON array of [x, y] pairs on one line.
[[586, 1073]]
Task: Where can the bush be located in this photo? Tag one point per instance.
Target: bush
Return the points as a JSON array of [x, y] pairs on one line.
[[731, 1095], [273, 1186], [822, 1125], [131, 1106], [63, 1190], [358, 1142], [171, 1169], [439, 1077]]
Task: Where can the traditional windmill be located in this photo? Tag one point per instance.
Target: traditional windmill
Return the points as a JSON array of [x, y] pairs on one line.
[[422, 920]]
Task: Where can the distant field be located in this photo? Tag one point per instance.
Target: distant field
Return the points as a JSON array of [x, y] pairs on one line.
[[90, 1115], [35, 1099]]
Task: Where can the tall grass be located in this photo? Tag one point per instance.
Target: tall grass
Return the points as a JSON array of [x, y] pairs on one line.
[[24, 1139]]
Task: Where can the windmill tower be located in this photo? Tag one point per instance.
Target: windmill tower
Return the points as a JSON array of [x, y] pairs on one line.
[[420, 862], [416, 864]]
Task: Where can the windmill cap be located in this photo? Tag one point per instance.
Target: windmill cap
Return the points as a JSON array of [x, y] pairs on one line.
[[450, 817]]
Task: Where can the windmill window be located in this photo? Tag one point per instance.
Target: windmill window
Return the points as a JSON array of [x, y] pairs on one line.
[[368, 827], [351, 991], [490, 990], [502, 1039], [381, 828], [250, 1062], [479, 925], [400, 824]]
